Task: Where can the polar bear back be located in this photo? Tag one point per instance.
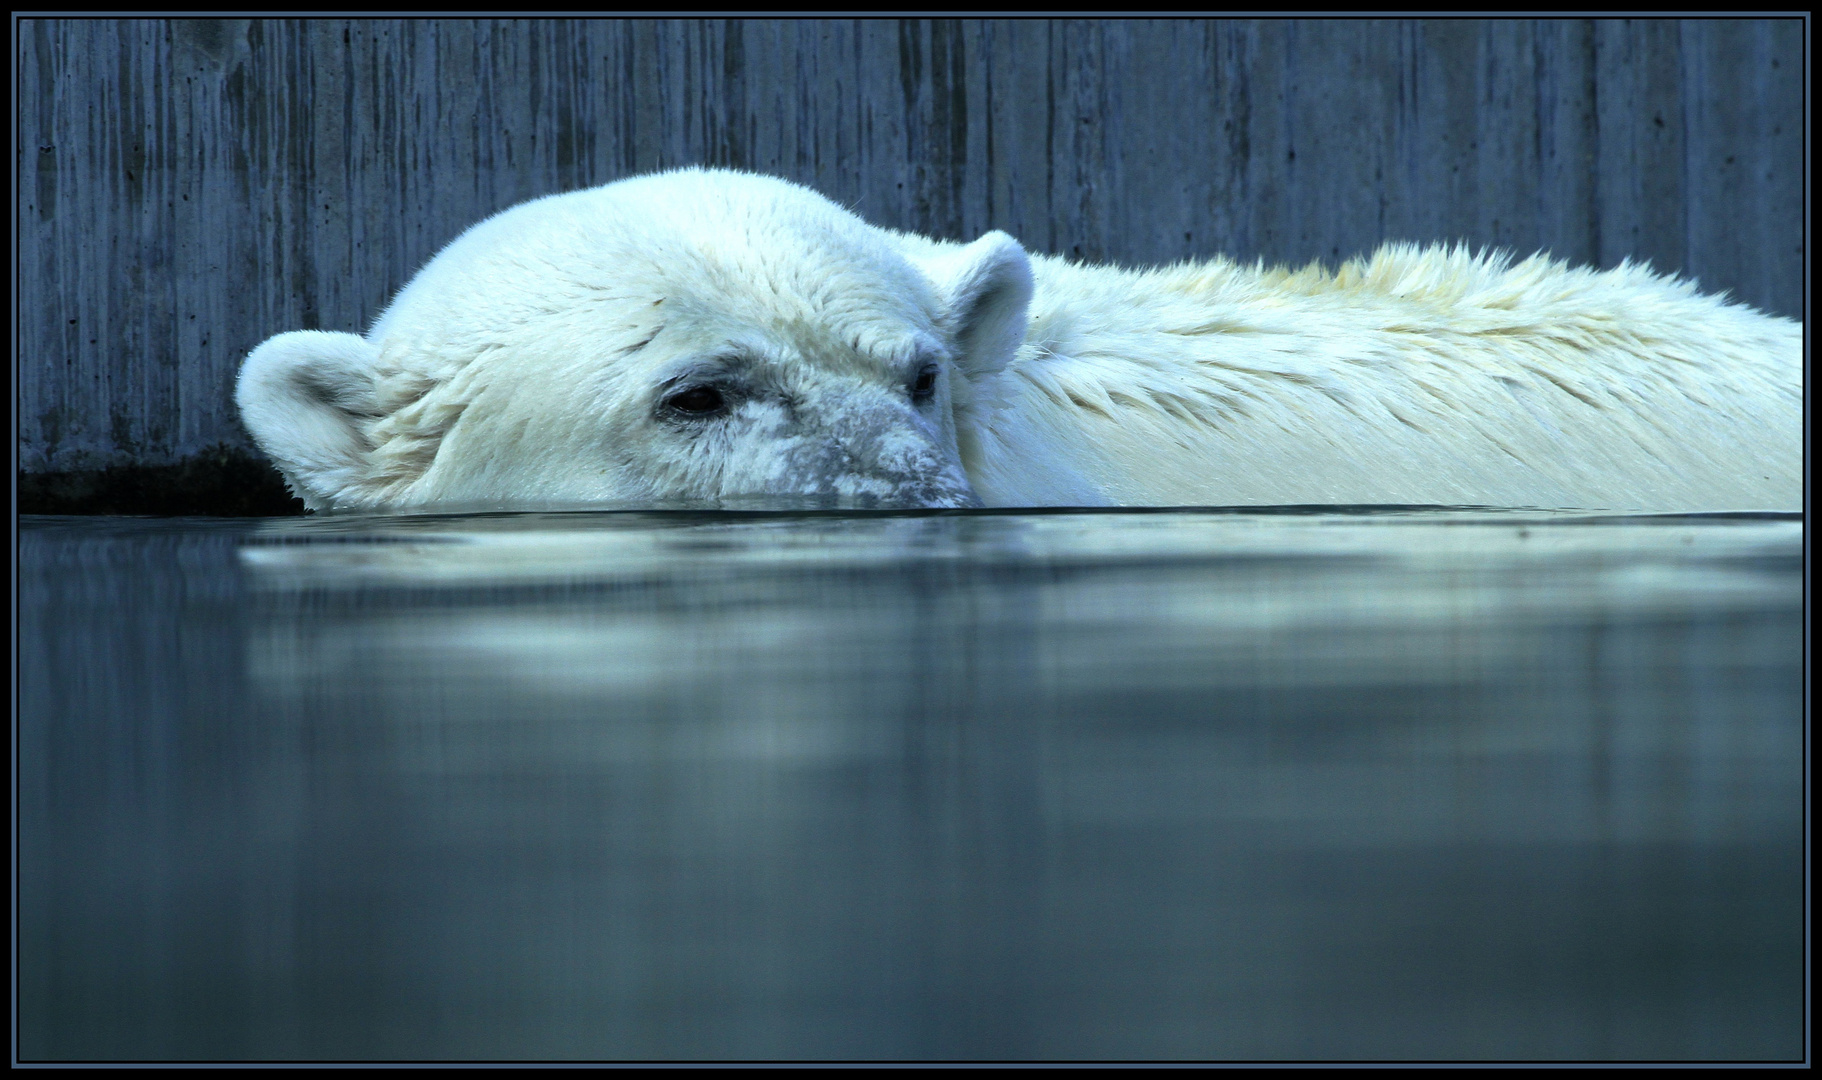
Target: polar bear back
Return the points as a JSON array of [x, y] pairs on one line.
[[1415, 376]]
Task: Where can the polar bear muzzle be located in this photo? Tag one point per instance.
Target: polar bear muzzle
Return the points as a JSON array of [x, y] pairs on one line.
[[857, 444]]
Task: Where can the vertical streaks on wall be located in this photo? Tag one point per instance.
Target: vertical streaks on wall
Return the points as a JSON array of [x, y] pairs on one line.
[[1639, 163], [1022, 107], [1506, 155], [949, 120], [1247, 198], [1565, 137], [933, 112], [191, 186], [1741, 93]]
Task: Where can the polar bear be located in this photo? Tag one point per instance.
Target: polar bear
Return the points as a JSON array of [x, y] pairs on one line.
[[697, 336]]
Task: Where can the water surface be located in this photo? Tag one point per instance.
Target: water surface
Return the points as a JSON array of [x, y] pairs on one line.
[[1264, 784]]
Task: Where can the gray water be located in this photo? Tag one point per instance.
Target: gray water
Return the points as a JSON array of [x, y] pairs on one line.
[[1195, 784]]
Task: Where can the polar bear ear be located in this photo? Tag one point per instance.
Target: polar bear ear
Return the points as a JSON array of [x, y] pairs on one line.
[[983, 290], [303, 397]]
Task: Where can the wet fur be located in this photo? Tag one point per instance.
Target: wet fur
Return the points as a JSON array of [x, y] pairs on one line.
[[1417, 375]]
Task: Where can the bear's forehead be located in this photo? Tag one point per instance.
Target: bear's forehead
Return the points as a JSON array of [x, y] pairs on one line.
[[812, 298], [747, 261], [761, 242], [856, 336]]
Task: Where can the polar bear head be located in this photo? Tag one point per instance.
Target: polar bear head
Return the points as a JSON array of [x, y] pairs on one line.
[[681, 337]]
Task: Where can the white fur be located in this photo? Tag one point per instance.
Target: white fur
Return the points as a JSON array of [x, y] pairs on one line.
[[1413, 376], [530, 362]]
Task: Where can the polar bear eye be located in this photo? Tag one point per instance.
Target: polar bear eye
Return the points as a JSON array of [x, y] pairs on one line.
[[925, 384], [697, 401]]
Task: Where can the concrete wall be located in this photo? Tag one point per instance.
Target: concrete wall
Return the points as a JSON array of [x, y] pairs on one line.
[[189, 187]]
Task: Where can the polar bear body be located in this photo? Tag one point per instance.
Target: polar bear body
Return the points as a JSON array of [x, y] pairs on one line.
[[704, 335], [1416, 376]]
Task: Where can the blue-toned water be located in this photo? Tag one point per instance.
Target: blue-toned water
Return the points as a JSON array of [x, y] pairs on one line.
[[1188, 784]]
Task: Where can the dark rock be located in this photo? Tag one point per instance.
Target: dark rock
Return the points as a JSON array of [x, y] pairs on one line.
[[222, 481]]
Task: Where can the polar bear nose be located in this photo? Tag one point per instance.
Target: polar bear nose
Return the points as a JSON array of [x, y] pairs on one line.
[[888, 459], [934, 498], [894, 476]]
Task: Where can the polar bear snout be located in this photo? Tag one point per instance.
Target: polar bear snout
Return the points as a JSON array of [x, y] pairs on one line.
[[894, 471], [865, 452], [894, 468], [910, 460]]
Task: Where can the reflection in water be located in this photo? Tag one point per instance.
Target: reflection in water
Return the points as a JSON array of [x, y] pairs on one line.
[[951, 785]]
